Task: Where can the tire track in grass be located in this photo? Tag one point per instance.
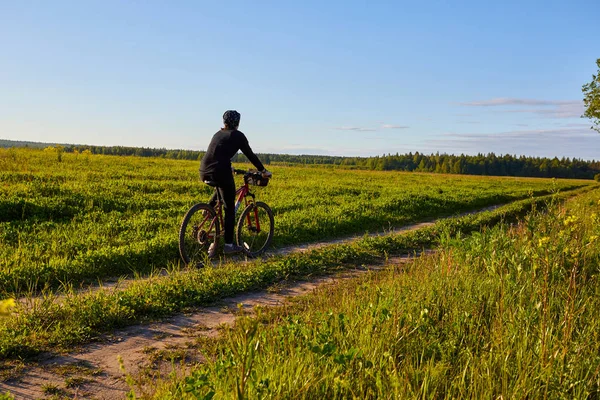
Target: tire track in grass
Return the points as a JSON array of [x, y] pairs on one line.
[[122, 283], [96, 367], [395, 230]]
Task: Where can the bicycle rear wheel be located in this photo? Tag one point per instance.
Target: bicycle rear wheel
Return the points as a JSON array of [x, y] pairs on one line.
[[199, 230], [255, 228]]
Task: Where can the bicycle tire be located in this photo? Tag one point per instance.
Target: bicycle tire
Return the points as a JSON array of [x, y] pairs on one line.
[[199, 229], [253, 241]]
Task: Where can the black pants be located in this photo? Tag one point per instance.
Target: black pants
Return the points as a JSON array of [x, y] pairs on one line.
[[226, 188]]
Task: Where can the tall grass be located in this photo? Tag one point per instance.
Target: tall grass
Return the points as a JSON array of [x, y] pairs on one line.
[[508, 312]]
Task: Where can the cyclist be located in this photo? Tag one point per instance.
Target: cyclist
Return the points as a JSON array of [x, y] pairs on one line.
[[216, 167]]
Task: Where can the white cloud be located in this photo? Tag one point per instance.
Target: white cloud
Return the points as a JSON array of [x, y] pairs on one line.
[[354, 128], [365, 129], [526, 134], [507, 101], [577, 125], [545, 108], [390, 126], [563, 111]]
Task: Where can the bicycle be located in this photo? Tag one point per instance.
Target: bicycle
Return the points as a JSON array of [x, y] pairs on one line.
[[200, 228]]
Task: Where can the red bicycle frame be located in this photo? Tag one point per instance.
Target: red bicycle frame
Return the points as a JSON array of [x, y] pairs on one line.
[[242, 193]]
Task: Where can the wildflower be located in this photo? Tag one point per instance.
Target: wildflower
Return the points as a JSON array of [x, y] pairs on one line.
[[570, 220], [5, 306], [543, 241]]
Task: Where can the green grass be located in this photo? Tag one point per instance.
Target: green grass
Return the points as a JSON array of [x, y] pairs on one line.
[[458, 317], [89, 218], [507, 312], [48, 325]]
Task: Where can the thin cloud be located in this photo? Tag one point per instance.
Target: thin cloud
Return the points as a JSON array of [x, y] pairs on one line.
[[390, 126], [354, 128], [528, 134], [577, 125], [564, 111], [366, 129], [508, 101], [546, 108]]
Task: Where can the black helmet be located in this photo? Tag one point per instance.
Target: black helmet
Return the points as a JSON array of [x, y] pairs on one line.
[[231, 118]]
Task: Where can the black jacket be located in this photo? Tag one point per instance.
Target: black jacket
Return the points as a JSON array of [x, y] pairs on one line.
[[216, 163]]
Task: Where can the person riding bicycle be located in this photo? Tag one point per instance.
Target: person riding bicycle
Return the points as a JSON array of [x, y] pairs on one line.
[[216, 167]]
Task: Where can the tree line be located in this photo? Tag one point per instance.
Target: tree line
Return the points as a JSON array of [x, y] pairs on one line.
[[480, 164]]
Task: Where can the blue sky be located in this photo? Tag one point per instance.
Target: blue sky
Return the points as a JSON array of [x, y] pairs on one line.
[[312, 77]]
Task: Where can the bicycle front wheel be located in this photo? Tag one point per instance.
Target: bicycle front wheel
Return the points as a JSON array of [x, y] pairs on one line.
[[255, 228], [198, 235]]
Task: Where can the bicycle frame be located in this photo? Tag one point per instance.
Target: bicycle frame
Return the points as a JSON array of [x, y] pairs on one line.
[[242, 193]]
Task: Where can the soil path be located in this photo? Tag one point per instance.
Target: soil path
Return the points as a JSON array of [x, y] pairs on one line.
[[148, 350]]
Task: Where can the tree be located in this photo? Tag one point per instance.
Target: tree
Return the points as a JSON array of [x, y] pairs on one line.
[[591, 99]]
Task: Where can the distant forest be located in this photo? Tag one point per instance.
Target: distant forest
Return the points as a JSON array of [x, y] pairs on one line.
[[481, 164]]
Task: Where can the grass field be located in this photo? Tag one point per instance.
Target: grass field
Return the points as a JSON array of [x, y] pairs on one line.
[[454, 318], [73, 218], [49, 324], [100, 241], [509, 312]]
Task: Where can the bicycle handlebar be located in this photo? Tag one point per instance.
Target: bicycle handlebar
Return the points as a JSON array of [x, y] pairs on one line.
[[244, 172]]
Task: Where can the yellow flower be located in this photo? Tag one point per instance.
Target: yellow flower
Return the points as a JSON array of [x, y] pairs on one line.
[[570, 220], [543, 241], [5, 306]]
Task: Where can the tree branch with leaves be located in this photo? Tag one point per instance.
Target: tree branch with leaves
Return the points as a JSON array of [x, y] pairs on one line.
[[591, 99]]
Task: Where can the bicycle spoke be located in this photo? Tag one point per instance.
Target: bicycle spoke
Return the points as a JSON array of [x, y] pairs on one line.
[[249, 236], [199, 229]]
